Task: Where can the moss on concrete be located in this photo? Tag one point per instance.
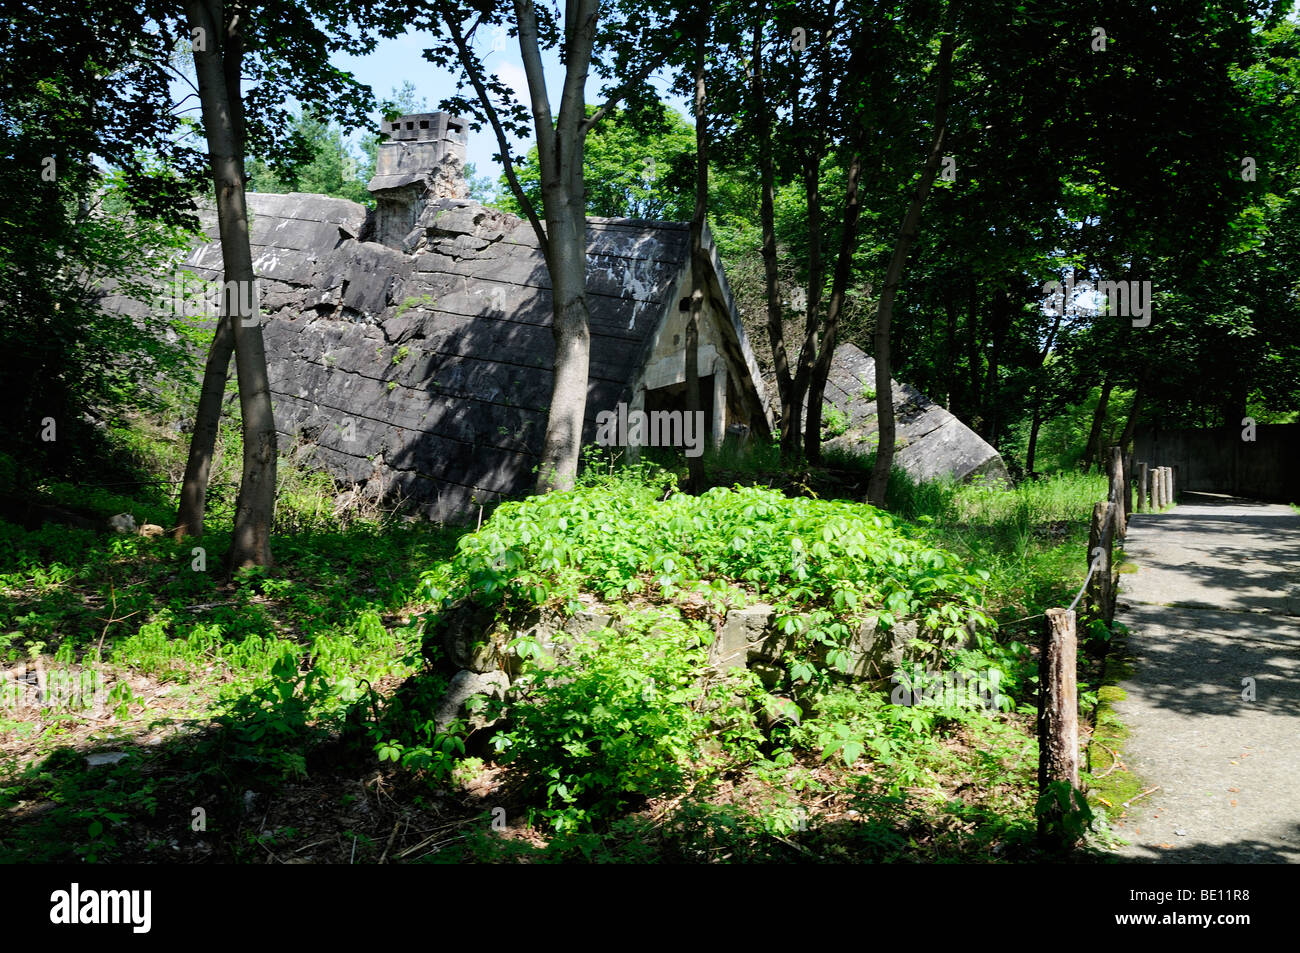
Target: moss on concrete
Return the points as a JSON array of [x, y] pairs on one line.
[[1109, 785]]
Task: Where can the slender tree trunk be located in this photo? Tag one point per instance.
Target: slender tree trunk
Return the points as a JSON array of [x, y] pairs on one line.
[[791, 405], [560, 153], [893, 276], [1034, 427], [572, 335], [975, 403], [565, 211], [1000, 325], [1036, 395], [563, 239], [810, 352], [1126, 438], [255, 508], [203, 440], [700, 265], [1092, 451], [192, 508], [839, 289]]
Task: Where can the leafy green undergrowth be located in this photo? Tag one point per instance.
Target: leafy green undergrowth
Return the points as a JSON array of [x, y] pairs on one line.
[[823, 564], [1028, 537], [632, 715], [273, 661], [624, 746]]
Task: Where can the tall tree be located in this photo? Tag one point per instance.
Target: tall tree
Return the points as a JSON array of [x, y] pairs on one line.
[[797, 102], [561, 134], [331, 167], [700, 264], [284, 49], [760, 110], [879, 481], [218, 54]]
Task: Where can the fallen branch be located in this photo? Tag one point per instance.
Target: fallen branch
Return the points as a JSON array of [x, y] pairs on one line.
[[1138, 797], [412, 850], [389, 846], [1115, 762]]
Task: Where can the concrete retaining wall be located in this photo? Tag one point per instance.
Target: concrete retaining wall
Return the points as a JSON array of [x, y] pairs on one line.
[[1220, 461]]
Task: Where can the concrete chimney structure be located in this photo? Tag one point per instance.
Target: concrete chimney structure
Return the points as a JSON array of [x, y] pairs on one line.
[[421, 159]]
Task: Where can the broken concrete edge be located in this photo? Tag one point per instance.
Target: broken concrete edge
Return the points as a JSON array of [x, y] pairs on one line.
[[489, 652], [931, 442]]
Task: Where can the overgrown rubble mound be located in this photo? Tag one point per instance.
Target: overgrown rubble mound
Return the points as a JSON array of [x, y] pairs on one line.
[[791, 590]]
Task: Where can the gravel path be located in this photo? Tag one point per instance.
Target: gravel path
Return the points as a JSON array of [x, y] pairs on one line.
[[1215, 601]]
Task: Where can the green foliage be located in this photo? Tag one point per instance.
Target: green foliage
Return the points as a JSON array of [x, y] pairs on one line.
[[409, 302], [823, 564], [403, 101], [834, 423], [621, 717], [263, 734], [332, 169], [634, 166], [1068, 816], [66, 360], [849, 725]]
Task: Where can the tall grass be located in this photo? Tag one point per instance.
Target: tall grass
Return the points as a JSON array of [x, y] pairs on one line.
[[1063, 496], [1032, 538]]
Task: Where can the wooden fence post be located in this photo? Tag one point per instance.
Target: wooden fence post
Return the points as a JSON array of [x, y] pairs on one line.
[[1101, 534], [1144, 487], [1116, 494], [1128, 488], [1173, 485], [1058, 726], [1158, 489], [1168, 489]]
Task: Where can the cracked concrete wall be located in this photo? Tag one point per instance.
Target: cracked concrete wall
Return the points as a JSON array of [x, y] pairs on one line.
[[931, 442], [427, 372]]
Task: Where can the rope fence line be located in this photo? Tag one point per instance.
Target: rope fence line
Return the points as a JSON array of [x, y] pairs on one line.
[[1084, 588], [100, 486], [1058, 698], [1077, 596]]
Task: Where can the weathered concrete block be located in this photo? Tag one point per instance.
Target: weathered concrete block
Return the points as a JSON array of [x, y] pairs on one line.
[[585, 622], [746, 635], [876, 653], [555, 632], [465, 685], [468, 636], [931, 442]]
